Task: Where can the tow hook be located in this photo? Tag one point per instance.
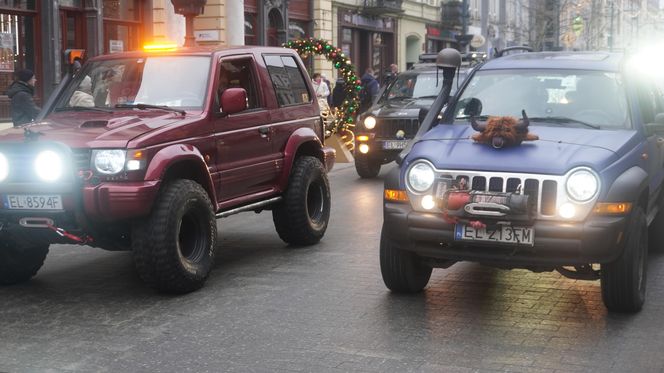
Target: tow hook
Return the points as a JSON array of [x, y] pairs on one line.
[[82, 240]]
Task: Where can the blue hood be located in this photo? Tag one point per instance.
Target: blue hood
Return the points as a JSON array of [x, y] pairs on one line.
[[556, 152]]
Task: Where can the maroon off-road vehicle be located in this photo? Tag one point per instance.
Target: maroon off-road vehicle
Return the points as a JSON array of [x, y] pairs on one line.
[[143, 151]]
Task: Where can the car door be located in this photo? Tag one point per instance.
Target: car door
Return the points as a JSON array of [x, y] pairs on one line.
[[245, 163], [650, 103], [294, 107]]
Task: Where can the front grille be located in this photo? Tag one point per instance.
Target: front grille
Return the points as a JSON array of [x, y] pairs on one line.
[[81, 158], [541, 188], [388, 128]]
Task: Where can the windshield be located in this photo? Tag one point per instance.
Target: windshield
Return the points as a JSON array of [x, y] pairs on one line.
[[172, 81], [415, 85], [555, 97]]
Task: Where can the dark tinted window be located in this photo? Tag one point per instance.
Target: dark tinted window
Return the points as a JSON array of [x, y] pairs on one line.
[[289, 84], [237, 73]]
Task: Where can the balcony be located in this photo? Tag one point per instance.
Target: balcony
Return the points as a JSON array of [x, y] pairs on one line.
[[383, 7]]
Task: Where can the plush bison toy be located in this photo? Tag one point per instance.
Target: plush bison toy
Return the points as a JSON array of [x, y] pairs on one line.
[[503, 131]]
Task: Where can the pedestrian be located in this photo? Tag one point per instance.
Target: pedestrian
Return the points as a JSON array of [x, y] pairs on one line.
[[322, 91], [391, 75], [369, 91], [82, 97], [329, 88], [21, 93], [339, 93]]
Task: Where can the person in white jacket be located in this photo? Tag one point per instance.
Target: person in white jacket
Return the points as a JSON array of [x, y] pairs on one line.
[[83, 95], [322, 91]]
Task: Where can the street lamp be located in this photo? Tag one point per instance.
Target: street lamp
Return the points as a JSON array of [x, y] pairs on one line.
[[189, 9]]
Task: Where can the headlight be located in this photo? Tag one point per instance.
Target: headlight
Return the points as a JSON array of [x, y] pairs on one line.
[[369, 122], [420, 177], [582, 185], [4, 167], [109, 162], [48, 165]]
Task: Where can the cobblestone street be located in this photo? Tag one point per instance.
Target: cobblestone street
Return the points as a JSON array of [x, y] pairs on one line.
[[271, 308]]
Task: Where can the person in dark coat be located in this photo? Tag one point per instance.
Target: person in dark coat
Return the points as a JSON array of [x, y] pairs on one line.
[[339, 93], [20, 92], [370, 89]]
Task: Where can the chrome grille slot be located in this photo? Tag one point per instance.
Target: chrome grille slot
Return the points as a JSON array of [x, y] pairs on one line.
[[549, 191], [496, 184]]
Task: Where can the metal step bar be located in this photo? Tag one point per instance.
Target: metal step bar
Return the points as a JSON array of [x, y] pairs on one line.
[[251, 207]]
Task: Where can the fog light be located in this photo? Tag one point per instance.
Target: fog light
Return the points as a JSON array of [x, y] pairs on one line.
[[428, 203], [362, 138], [364, 148], [567, 211]]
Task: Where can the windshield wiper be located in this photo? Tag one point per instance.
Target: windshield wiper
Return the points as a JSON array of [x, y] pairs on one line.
[[478, 117], [82, 108], [431, 96], [562, 120], [149, 106]]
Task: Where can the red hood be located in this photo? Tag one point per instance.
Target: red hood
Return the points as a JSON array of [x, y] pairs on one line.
[[96, 129]]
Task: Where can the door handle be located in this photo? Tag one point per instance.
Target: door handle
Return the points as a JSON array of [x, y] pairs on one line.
[[264, 131]]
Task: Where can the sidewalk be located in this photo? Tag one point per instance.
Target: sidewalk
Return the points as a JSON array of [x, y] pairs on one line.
[[5, 125]]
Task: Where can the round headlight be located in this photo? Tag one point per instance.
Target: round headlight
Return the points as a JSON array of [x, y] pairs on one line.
[[48, 165], [582, 185], [420, 177], [4, 167], [109, 162], [369, 122]]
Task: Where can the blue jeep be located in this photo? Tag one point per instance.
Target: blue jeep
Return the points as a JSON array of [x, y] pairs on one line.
[[544, 161]]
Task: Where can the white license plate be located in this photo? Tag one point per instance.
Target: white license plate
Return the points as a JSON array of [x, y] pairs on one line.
[[395, 144], [500, 234], [33, 202]]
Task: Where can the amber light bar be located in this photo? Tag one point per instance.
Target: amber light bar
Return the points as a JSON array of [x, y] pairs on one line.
[[165, 47], [396, 195], [613, 208]]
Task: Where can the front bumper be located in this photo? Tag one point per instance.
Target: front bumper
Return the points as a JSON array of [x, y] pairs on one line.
[[387, 148], [599, 239], [82, 204]]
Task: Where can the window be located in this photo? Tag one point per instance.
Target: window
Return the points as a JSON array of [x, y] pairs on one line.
[[237, 73], [297, 30], [139, 81], [289, 84], [17, 46], [122, 25], [584, 96], [250, 29]]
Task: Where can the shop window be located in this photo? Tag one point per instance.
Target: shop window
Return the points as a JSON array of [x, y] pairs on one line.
[[124, 10], [249, 29], [17, 50], [18, 4], [297, 30]]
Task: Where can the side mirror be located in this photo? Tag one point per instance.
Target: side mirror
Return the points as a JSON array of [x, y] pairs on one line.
[[74, 59], [233, 100], [657, 126], [472, 107]]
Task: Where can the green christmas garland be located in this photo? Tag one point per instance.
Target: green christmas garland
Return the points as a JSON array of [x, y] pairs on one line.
[[344, 115]]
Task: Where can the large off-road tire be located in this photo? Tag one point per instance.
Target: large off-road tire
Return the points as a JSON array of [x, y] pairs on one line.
[[403, 271], [174, 248], [624, 280], [17, 263], [366, 167], [301, 218]]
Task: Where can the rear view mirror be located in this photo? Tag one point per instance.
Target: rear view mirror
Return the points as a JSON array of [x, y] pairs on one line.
[[74, 59], [233, 100], [472, 107]]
